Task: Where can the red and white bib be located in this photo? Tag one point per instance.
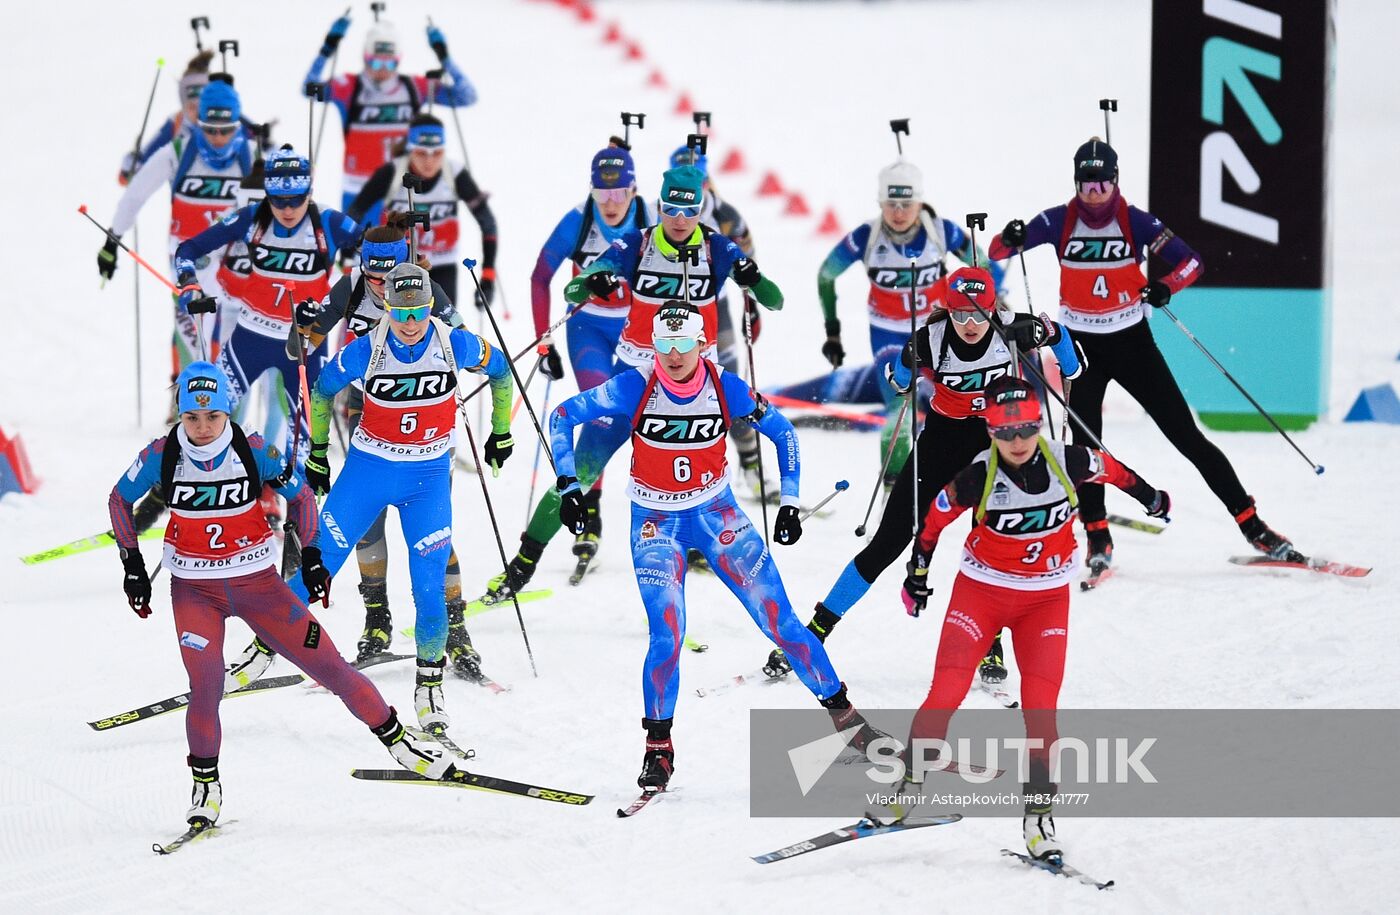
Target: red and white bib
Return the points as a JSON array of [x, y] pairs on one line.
[[960, 384], [1022, 540], [202, 196], [679, 456], [1100, 280], [378, 119], [410, 407], [888, 270], [439, 243], [217, 528], [658, 280], [284, 270]]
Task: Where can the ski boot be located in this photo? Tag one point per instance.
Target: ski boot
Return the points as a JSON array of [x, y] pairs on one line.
[[208, 795], [820, 625], [248, 666], [416, 754], [1038, 827], [379, 624], [1262, 537], [1100, 555], [517, 574], [658, 762], [992, 670], [466, 660], [427, 695], [845, 716]]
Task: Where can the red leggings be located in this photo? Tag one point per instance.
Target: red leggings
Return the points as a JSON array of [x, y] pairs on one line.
[[1039, 623], [268, 606]]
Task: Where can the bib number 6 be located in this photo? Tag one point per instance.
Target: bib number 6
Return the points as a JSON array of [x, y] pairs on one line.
[[681, 469]]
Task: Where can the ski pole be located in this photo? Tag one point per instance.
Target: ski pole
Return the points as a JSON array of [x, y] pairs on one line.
[[136, 229], [534, 345], [226, 45], [884, 467], [457, 121], [841, 486], [1316, 467], [628, 119], [535, 467], [134, 256], [315, 92], [500, 338], [753, 383], [500, 547], [912, 403], [315, 151]]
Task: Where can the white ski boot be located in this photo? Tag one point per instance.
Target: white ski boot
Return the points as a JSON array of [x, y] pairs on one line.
[[420, 755], [1039, 831], [208, 795], [427, 695], [248, 666]]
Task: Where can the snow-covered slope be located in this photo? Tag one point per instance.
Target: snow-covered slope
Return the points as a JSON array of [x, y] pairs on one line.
[[998, 98]]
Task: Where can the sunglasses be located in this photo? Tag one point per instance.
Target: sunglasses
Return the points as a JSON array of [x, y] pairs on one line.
[[1012, 433], [966, 317], [417, 313], [218, 131], [382, 63], [673, 210], [1096, 187], [899, 205], [675, 344], [374, 278], [286, 203], [611, 194]]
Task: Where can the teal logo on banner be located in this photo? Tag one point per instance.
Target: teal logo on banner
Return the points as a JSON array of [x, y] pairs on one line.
[[1240, 96]]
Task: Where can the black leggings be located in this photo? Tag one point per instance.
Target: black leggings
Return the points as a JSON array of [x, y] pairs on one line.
[[1131, 358], [445, 275], [945, 447]]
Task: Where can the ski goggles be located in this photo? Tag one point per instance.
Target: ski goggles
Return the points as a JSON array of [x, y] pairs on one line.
[[611, 194], [966, 317], [286, 203], [1095, 187], [382, 63], [416, 313], [217, 130], [899, 206], [673, 210], [1012, 433], [675, 344]]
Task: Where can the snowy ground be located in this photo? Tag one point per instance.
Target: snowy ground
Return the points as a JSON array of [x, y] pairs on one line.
[[804, 90]]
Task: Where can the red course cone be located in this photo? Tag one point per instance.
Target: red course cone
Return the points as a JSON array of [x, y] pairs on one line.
[[656, 79], [634, 51], [613, 34], [770, 186], [734, 162], [829, 225], [684, 105], [796, 206], [584, 11]]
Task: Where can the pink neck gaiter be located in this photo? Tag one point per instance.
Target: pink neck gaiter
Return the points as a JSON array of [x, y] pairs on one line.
[[681, 388], [1100, 215]]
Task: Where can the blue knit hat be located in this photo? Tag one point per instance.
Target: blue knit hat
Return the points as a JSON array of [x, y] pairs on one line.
[[203, 386], [219, 105], [285, 173], [612, 167], [684, 155]]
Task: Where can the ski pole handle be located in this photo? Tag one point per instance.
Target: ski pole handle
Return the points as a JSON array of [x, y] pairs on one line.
[[841, 486], [134, 256]]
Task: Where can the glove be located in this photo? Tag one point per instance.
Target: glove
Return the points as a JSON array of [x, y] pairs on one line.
[[308, 312], [499, 445], [753, 319], [107, 259], [916, 590], [571, 508], [337, 32], [136, 583], [438, 42], [787, 530], [1160, 506], [1156, 293], [487, 294], [552, 366], [602, 284], [315, 576], [746, 273], [1029, 331], [318, 469], [832, 349], [190, 293], [1014, 235]]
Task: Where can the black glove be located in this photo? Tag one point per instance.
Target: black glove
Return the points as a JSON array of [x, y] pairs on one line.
[[572, 511], [438, 42], [1014, 235], [107, 259], [308, 312], [1156, 293], [746, 273], [499, 445], [916, 590], [136, 583], [1160, 506], [318, 469], [602, 284], [787, 530], [1029, 331], [552, 366], [832, 349], [315, 576], [337, 32]]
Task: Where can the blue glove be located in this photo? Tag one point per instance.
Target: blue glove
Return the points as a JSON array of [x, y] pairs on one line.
[[438, 42]]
